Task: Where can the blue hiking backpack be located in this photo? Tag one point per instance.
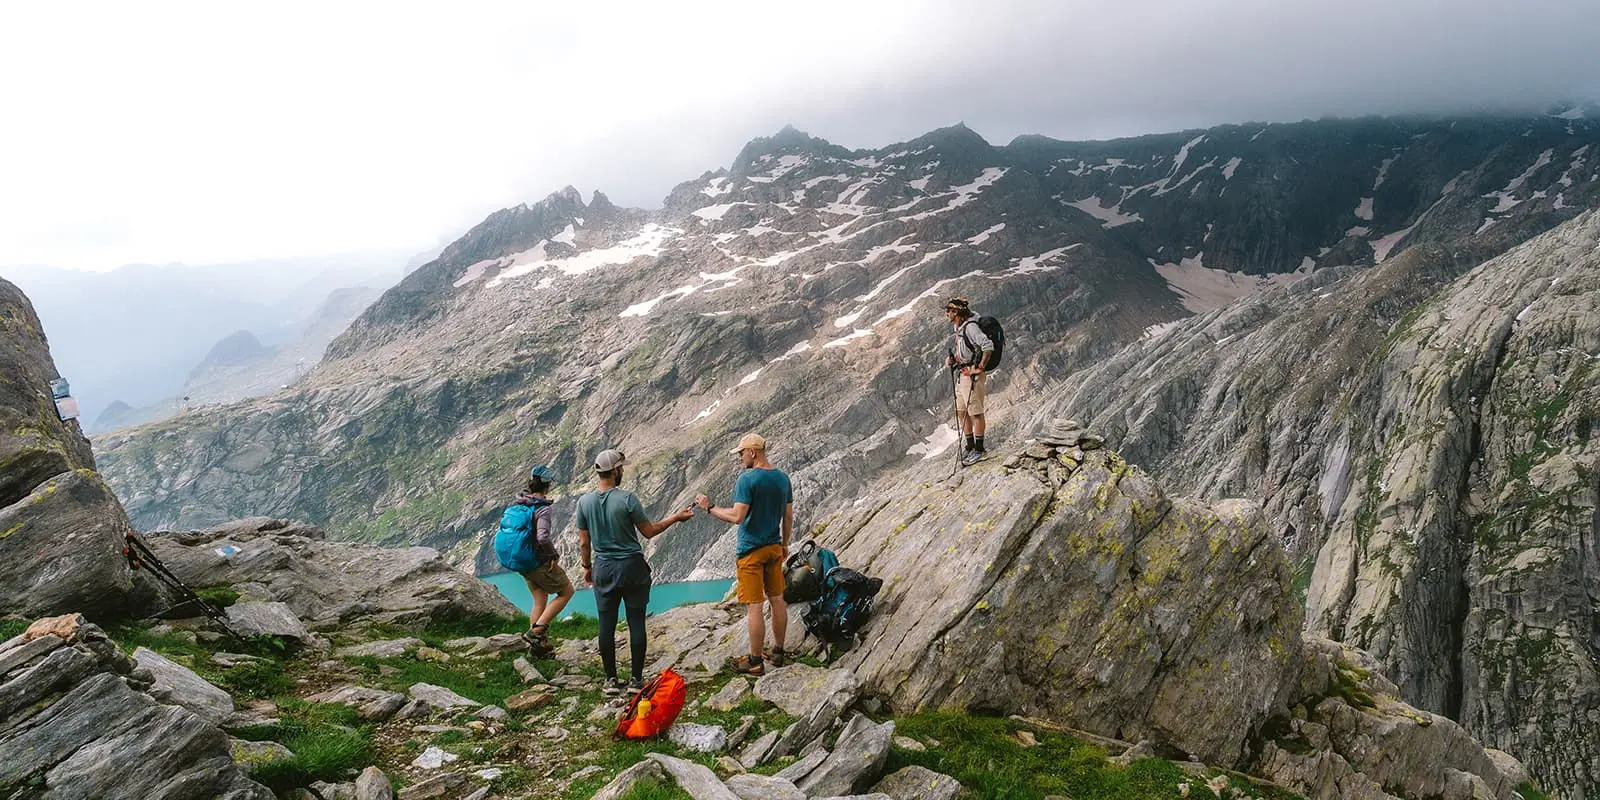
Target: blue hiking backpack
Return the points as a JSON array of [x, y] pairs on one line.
[[845, 603], [514, 543]]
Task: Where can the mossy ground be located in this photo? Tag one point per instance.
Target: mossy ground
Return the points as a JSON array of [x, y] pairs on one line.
[[534, 759]]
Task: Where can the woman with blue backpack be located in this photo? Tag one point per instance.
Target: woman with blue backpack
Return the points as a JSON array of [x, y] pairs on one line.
[[525, 544]]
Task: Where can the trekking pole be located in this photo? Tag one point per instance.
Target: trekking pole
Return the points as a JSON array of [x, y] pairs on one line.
[[955, 400]]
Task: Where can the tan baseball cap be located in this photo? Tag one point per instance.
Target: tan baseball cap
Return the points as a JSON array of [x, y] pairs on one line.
[[751, 441]]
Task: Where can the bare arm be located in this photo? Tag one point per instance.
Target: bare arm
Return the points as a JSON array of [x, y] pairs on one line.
[[584, 556], [788, 525], [651, 530]]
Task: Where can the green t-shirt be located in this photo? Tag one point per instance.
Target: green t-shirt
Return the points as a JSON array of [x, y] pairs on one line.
[[610, 517], [767, 492]]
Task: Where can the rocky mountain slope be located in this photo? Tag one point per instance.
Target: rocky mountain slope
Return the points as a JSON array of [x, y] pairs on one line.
[[797, 292], [1423, 434]]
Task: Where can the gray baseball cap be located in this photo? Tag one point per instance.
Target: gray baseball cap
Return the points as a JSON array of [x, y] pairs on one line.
[[609, 460]]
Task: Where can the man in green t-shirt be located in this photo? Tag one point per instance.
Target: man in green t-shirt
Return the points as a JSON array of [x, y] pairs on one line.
[[763, 508], [610, 521]]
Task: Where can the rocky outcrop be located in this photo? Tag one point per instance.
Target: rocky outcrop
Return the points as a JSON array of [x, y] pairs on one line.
[[60, 526], [76, 722], [324, 584], [1430, 461], [1061, 583]]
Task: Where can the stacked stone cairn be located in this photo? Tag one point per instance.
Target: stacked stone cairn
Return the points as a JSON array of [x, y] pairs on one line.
[[1058, 453]]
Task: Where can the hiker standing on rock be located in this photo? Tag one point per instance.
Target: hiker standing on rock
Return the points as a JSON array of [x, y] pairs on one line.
[[610, 520], [548, 578], [971, 355], [763, 508]]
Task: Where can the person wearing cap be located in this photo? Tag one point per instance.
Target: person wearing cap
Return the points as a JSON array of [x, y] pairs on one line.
[[548, 578], [971, 355], [763, 508], [610, 521]]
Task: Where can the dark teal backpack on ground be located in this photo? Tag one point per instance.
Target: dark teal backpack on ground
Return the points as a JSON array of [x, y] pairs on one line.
[[514, 542]]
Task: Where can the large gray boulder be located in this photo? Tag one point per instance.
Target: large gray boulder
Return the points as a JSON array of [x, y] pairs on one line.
[[857, 758], [1063, 584], [94, 735], [180, 686], [60, 526], [918, 783], [266, 619], [326, 584]]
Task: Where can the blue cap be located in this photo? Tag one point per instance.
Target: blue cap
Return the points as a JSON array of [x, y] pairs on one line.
[[541, 472]]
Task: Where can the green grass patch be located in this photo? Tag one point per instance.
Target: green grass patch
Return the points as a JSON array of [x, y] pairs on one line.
[[654, 790], [1531, 792], [219, 596], [1347, 686], [984, 754], [326, 739], [12, 628]]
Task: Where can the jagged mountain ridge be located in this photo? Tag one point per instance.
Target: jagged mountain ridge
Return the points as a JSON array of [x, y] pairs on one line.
[[769, 295], [1422, 433]]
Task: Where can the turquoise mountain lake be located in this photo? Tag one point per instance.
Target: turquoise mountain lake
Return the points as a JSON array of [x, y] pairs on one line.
[[662, 596]]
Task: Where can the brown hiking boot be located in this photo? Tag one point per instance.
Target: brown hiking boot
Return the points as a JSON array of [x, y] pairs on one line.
[[747, 665]]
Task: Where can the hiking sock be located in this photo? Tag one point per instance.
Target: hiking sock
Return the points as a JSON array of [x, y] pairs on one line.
[[977, 443], [971, 443]]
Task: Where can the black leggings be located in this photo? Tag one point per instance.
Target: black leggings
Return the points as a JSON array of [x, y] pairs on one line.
[[608, 639], [625, 583]]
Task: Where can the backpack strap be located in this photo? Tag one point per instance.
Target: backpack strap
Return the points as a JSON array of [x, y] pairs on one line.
[[977, 352]]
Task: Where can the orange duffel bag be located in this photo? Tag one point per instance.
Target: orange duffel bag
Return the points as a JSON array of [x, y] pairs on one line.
[[654, 707]]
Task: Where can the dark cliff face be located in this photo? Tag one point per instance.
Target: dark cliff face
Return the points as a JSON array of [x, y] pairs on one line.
[[1421, 435], [60, 527]]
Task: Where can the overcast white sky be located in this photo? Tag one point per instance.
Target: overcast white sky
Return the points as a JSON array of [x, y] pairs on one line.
[[209, 132]]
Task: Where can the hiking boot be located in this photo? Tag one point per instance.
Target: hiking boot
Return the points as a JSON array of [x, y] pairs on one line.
[[538, 643], [746, 665], [776, 656], [636, 685], [973, 457], [613, 687]]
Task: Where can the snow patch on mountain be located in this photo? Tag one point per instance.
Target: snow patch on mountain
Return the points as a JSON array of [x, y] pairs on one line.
[[1109, 216], [716, 212], [717, 187], [980, 238], [1231, 167], [648, 242], [1506, 200], [936, 443], [1202, 289], [962, 195], [1364, 209], [859, 333]]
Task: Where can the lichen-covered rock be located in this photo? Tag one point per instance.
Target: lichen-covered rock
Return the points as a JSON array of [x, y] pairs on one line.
[[60, 526], [90, 734], [918, 783], [1090, 598]]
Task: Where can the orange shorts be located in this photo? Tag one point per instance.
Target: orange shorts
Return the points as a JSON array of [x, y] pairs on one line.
[[760, 574]]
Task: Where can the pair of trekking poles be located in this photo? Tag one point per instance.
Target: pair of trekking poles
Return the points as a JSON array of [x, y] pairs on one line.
[[955, 395]]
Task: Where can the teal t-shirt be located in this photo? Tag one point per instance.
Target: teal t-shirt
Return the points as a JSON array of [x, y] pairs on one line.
[[766, 492], [609, 517]]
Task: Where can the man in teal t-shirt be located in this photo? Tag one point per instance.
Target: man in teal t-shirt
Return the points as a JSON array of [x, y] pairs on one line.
[[763, 508], [610, 521]]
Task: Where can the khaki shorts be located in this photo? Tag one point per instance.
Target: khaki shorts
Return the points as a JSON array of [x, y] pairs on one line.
[[970, 390], [760, 574], [549, 578]]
